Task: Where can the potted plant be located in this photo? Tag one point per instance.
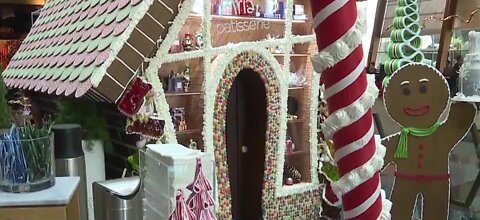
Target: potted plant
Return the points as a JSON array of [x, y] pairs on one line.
[[5, 111], [95, 139]]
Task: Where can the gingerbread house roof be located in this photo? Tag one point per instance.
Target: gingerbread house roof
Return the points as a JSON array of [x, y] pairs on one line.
[[89, 47]]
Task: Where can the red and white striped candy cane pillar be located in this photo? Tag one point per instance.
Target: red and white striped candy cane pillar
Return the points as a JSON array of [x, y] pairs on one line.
[[350, 97]]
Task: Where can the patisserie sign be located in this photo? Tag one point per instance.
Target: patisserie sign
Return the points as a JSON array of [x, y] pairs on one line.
[[243, 26]]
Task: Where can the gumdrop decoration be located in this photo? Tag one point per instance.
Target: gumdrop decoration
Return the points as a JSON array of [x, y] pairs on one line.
[[181, 211], [134, 98], [200, 201], [150, 127]]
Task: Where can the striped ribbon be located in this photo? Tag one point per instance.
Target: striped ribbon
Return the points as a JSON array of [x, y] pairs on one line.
[[347, 87], [181, 211], [200, 201]]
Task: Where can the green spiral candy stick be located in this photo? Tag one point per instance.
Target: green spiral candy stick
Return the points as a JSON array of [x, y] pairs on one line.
[[405, 38]]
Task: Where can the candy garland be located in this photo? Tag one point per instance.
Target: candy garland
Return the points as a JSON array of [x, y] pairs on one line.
[[296, 206], [405, 38], [349, 97]]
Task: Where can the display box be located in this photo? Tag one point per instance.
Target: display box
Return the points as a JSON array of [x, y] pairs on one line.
[[170, 167]]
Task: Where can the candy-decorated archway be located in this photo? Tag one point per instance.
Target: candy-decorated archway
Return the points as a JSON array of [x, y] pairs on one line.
[[272, 206]]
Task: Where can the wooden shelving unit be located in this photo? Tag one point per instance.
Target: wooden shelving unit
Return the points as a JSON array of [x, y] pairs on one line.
[[191, 101]]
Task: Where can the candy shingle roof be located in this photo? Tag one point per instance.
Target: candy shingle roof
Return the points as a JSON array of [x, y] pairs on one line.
[[92, 47]]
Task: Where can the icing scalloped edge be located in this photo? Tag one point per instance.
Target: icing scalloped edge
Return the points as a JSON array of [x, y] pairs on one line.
[[339, 50], [351, 113]]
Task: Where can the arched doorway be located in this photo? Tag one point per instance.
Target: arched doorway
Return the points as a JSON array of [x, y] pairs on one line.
[[229, 68], [246, 129]]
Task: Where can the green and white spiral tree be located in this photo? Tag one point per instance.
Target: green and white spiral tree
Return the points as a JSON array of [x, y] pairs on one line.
[[405, 38]]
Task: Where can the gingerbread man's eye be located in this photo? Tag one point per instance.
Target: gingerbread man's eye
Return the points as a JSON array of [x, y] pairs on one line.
[[423, 89], [406, 91]]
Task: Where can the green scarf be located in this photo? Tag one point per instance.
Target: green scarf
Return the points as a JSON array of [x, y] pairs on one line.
[[402, 148]]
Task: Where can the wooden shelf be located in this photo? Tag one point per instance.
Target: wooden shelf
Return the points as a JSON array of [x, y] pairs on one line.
[[182, 94], [294, 121], [296, 153], [246, 18], [296, 88], [189, 132]]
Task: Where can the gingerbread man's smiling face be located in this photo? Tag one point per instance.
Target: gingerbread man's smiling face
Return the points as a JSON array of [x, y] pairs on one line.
[[416, 96]]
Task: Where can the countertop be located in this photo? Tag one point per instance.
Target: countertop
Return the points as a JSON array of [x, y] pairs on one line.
[[59, 194]]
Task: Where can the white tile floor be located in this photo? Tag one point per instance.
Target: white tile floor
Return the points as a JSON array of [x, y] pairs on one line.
[[464, 168]]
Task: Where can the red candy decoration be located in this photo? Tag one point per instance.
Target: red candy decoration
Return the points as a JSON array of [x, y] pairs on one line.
[[151, 127], [134, 98]]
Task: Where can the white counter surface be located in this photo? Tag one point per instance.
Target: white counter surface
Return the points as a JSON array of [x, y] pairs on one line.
[[59, 194]]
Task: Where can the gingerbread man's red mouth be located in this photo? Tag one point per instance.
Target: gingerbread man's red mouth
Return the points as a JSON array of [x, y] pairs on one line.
[[417, 111]]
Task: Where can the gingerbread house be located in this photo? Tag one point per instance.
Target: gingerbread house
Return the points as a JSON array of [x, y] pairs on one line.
[[233, 77]]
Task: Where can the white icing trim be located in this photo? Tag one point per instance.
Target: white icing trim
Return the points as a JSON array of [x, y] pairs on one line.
[[313, 141], [356, 145], [386, 207], [351, 113], [340, 49], [346, 81]]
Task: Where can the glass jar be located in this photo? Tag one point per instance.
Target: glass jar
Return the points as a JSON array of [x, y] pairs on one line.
[[27, 165]]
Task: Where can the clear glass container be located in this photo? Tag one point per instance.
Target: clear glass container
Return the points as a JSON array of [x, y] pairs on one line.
[[27, 165]]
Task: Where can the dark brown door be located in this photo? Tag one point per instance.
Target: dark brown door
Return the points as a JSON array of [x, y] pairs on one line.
[[246, 130]]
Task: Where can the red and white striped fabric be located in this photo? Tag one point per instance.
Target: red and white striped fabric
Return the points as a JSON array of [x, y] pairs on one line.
[[350, 96], [181, 211]]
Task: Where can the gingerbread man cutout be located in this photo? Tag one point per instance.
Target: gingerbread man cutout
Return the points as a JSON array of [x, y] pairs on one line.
[[416, 97]]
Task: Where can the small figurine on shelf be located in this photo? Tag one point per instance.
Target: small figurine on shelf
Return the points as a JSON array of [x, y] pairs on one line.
[[183, 124], [199, 43], [187, 73], [175, 82], [178, 118], [188, 42], [193, 145], [289, 145]]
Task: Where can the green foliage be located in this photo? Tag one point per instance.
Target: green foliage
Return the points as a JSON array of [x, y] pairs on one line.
[[331, 171], [5, 111], [86, 114]]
